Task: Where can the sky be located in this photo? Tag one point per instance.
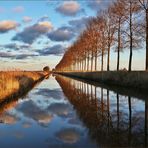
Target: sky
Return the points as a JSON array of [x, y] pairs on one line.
[[36, 33]]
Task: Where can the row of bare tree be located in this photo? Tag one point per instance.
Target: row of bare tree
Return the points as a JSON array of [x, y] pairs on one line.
[[123, 25]]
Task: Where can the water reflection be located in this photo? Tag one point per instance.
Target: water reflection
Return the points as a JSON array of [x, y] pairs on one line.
[[8, 118], [112, 119], [11, 102], [46, 92], [72, 114], [60, 109], [69, 135], [31, 110]]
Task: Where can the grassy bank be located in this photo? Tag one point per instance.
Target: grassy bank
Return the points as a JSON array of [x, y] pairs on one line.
[[135, 79], [16, 83]]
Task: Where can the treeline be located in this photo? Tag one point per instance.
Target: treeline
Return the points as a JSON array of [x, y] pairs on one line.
[[123, 25]]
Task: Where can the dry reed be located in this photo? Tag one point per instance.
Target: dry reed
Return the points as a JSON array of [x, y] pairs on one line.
[[14, 81]]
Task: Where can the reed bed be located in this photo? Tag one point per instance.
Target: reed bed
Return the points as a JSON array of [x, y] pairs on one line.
[[12, 82]]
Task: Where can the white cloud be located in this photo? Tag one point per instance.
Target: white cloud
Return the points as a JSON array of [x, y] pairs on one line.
[[31, 33], [27, 19], [99, 4], [69, 8], [61, 34], [7, 25], [46, 24]]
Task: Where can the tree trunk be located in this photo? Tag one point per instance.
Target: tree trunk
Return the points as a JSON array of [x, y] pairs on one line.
[[85, 65], [108, 58], [130, 119], [131, 42], [108, 108], [119, 44], [146, 118], [118, 113], [88, 64], [102, 105], [79, 65], [131, 53], [92, 63], [95, 62], [102, 63], [92, 58], [146, 39]]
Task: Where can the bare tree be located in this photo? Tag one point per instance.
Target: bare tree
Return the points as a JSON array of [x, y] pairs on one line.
[[118, 12], [102, 46], [119, 21], [109, 32], [132, 8], [144, 6]]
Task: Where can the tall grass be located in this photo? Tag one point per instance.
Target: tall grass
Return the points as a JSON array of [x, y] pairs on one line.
[[12, 82]]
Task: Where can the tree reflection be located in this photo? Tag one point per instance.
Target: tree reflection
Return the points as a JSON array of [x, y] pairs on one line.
[[110, 121], [146, 118]]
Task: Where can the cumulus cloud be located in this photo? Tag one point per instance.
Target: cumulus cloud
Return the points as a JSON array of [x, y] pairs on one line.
[[53, 50], [98, 4], [31, 33], [14, 46], [25, 56], [79, 24], [10, 46], [18, 56], [61, 34], [6, 55], [67, 33], [27, 19], [18, 9], [7, 25], [46, 25], [25, 46], [69, 8]]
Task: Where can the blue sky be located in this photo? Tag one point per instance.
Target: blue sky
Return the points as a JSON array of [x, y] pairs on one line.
[[35, 33]]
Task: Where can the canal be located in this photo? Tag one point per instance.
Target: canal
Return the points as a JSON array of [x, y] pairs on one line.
[[62, 112]]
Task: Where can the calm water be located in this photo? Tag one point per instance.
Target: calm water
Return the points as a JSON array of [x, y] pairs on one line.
[[63, 112]]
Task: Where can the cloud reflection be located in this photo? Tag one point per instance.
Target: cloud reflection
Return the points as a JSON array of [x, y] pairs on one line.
[[30, 110], [55, 93], [7, 118], [60, 109], [69, 135], [26, 124]]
